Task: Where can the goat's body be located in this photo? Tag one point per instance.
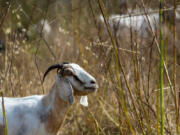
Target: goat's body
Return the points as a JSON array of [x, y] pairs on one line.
[[23, 115], [138, 23], [33, 115]]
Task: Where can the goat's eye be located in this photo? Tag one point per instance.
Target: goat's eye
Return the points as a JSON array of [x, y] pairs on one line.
[[67, 72]]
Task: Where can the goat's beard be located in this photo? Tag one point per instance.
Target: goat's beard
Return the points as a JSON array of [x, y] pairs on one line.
[[80, 93]]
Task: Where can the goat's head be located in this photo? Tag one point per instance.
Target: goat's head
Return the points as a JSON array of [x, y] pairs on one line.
[[82, 82]]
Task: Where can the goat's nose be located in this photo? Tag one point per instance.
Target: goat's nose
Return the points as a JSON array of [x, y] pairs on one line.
[[92, 81]]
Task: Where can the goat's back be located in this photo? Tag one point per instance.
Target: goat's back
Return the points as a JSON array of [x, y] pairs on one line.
[[22, 115]]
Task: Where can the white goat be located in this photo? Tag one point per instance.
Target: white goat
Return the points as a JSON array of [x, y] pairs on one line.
[[44, 114], [138, 23], [46, 28]]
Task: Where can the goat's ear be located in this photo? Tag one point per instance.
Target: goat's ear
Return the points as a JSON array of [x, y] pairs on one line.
[[65, 90]]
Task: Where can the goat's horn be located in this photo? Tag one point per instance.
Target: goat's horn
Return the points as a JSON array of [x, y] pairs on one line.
[[55, 66]]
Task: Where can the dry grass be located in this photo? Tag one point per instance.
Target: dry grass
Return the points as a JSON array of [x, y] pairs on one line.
[[127, 100]]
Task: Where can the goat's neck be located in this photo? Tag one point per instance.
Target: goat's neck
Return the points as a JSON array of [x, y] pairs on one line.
[[56, 110]]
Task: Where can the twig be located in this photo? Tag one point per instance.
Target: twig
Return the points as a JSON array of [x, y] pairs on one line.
[[50, 50], [35, 59], [174, 71], [4, 16], [122, 49], [4, 114], [10, 70], [165, 88]]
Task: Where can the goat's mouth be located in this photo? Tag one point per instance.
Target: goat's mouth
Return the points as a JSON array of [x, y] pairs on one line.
[[90, 89], [86, 91]]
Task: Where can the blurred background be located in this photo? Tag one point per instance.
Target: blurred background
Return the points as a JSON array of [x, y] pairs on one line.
[[117, 41]]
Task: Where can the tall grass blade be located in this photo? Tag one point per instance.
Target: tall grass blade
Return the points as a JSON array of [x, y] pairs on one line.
[[161, 71], [117, 69], [174, 70], [4, 114]]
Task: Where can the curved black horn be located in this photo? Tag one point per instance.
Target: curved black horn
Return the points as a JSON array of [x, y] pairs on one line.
[[55, 66]]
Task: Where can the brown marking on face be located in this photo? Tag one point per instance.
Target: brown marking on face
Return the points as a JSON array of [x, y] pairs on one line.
[[56, 115], [1, 129], [83, 93]]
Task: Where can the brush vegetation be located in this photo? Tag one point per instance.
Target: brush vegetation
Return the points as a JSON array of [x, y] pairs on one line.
[[138, 77]]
